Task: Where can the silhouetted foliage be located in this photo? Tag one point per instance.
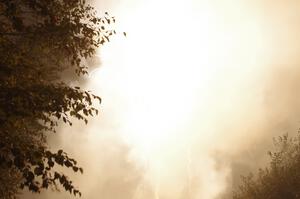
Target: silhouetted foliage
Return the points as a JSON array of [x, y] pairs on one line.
[[38, 40], [281, 179]]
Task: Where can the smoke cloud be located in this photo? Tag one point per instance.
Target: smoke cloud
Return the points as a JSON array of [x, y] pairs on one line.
[[184, 116]]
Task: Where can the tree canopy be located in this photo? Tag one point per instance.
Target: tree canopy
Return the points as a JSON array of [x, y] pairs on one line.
[[39, 39], [281, 179]]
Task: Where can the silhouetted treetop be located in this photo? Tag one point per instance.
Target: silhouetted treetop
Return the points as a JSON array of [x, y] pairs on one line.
[[281, 179], [39, 39]]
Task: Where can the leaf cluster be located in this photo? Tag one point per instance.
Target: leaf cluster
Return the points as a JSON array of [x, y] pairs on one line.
[[39, 39], [281, 179]]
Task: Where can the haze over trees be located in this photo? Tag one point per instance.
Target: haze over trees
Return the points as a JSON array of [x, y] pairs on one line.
[[280, 179], [39, 39]]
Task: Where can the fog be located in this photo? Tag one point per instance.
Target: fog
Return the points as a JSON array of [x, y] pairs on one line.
[[192, 98]]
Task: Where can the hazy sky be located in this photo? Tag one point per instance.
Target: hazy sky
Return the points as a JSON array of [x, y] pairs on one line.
[[191, 97]]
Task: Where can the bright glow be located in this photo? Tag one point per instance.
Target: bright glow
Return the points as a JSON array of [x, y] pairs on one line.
[[168, 69], [166, 65]]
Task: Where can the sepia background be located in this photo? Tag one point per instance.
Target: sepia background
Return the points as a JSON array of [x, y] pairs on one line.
[[192, 98]]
